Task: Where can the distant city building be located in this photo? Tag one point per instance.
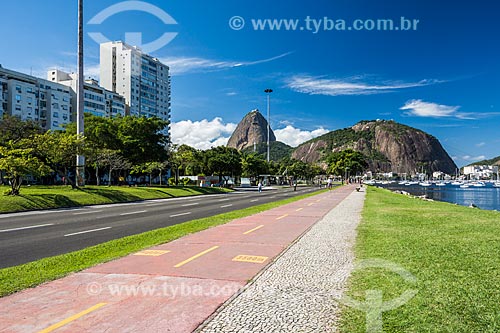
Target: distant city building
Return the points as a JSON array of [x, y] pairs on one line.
[[481, 171], [31, 98], [143, 80], [440, 175], [98, 101]]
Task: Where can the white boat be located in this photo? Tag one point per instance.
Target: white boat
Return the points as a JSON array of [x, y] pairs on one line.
[[440, 184], [479, 184], [402, 183], [425, 184], [457, 183], [369, 182], [497, 184], [464, 186]]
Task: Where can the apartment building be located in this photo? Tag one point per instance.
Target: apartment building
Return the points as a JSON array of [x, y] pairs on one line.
[[143, 80], [32, 98], [98, 101]]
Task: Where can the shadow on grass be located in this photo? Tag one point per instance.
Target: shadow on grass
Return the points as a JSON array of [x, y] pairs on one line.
[[112, 195], [199, 190], [49, 200]]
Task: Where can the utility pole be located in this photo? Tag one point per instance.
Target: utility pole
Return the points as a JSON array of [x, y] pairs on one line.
[[268, 92], [80, 159]]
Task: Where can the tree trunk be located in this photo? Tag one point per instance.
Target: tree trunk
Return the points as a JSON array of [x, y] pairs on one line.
[[109, 181], [160, 177], [71, 182], [15, 185], [98, 181]]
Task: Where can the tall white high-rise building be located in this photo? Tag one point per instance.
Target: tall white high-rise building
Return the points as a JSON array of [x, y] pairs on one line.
[[143, 80]]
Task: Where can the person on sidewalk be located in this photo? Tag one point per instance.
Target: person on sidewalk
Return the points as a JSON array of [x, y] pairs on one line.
[[329, 183], [259, 186]]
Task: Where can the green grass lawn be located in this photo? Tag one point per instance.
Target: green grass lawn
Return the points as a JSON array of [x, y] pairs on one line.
[[454, 253], [20, 277], [45, 197]]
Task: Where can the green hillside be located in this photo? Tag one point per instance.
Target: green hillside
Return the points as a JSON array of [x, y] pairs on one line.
[[277, 151]]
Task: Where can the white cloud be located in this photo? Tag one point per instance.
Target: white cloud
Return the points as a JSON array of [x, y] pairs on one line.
[[93, 71], [203, 134], [480, 144], [293, 136], [348, 86], [185, 65], [420, 108], [469, 158]]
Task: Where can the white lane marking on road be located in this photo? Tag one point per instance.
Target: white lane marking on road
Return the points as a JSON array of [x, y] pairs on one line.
[[226, 206], [180, 214], [36, 212], [223, 200], [88, 212], [86, 231], [155, 204], [137, 212], [254, 200], [191, 204], [29, 227]]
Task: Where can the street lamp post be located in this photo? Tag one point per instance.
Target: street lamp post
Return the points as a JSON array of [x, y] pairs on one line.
[[346, 168], [268, 92], [80, 159]]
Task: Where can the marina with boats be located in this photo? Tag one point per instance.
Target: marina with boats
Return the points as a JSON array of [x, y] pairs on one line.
[[471, 193]]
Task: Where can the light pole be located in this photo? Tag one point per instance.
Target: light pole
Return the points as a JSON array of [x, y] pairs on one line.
[[346, 168], [268, 93], [80, 159]]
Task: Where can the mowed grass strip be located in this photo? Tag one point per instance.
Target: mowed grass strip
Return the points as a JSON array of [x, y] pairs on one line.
[[20, 277], [47, 197], [454, 253]]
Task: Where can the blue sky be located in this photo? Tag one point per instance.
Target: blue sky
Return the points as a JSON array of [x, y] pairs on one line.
[[443, 77]]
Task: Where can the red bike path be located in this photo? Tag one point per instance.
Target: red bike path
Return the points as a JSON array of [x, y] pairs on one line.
[[173, 287]]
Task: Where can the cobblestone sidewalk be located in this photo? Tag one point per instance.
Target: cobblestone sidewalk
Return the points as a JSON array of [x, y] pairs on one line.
[[298, 292]]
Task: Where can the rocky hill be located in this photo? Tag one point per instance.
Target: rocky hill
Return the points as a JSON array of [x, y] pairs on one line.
[[251, 129], [389, 146]]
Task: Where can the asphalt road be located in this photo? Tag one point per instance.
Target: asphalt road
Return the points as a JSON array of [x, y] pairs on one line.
[[30, 236]]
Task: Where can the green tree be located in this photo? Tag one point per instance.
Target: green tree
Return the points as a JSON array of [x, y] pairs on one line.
[[13, 129], [19, 163], [223, 161], [151, 168], [113, 160], [58, 150], [348, 159], [142, 139], [252, 165], [190, 160]]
